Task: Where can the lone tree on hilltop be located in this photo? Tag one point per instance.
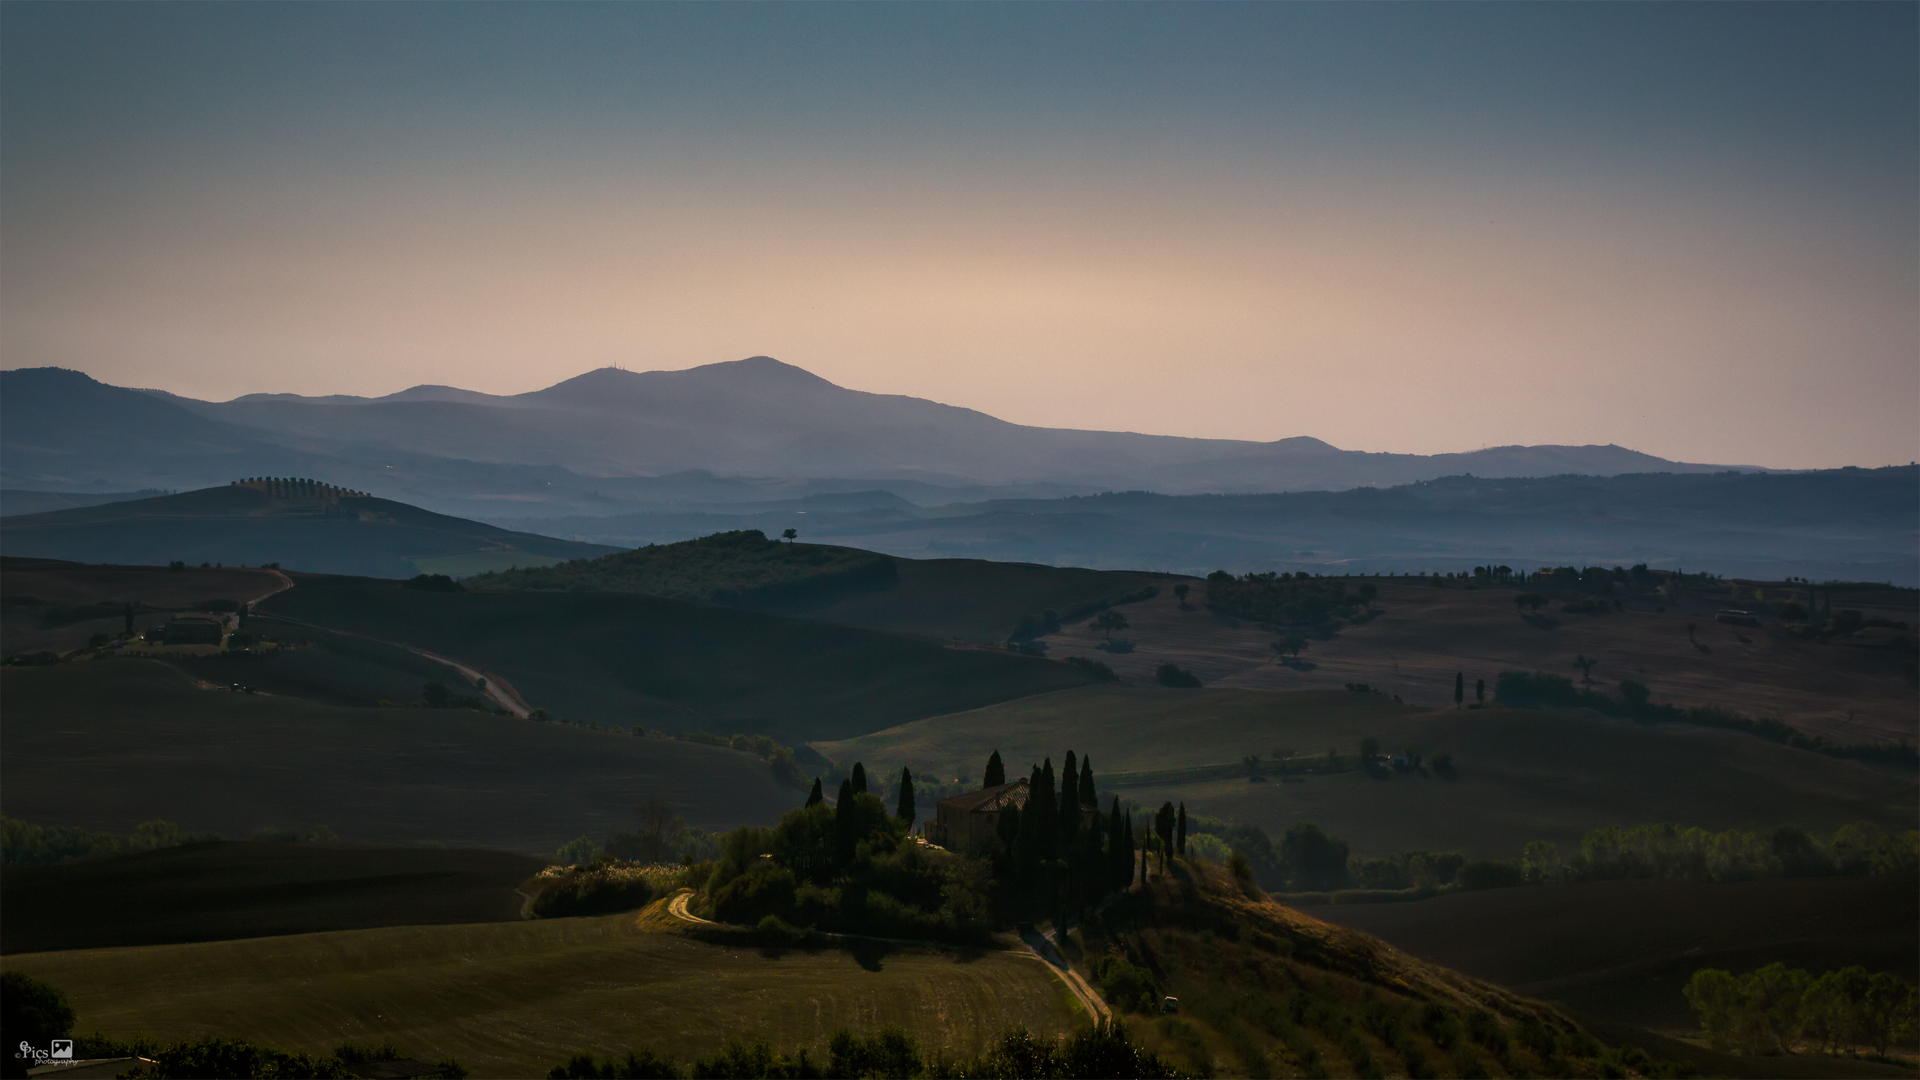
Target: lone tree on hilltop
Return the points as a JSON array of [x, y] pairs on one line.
[[1180, 831], [1532, 601], [436, 694], [789, 534], [996, 771], [858, 779], [1459, 688], [816, 796], [1180, 591], [1585, 664], [1111, 620], [1480, 691], [906, 811], [1367, 592], [1291, 643]]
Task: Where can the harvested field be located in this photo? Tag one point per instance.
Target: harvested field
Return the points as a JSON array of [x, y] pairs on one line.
[[1622, 950], [514, 999], [1850, 690]]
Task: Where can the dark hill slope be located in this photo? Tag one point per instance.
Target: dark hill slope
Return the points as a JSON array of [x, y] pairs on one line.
[[213, 892], [243, 526], [969, 599], [628, 659], [106, 745]]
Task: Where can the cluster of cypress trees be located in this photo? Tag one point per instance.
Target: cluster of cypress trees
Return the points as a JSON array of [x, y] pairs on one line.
[[1060, 853]]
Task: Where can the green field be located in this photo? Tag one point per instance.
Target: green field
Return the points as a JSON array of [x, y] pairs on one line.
[[514, 999], [1522, 775], [1622, 950], [628, 659], [209, 892], [108, 744]]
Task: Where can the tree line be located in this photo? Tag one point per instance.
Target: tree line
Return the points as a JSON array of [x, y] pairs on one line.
[[1778, 1010]]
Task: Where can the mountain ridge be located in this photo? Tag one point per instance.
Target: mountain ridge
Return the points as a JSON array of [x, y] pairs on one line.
[[757, 417]]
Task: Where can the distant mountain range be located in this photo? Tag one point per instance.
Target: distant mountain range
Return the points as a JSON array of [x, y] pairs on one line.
[[613, 441]]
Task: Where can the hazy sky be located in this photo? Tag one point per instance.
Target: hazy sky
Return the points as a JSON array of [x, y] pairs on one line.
[[1689, 229]]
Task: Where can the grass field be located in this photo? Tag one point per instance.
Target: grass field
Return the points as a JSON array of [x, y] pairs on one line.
[[210, 892], [1850, 690], [514, 999], [629, 659], [1522, 775], [1622, 950], [109, 744]]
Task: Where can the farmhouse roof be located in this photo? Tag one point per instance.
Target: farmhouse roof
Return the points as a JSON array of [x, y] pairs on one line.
[[989, 800]]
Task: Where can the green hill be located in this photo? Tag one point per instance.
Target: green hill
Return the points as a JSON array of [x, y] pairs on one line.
[[628, 659], [318, 532], [968, 599], [106, 745], [213, 892], [1521, 775]]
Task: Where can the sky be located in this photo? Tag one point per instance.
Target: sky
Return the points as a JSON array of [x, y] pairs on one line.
[[1690, 229]]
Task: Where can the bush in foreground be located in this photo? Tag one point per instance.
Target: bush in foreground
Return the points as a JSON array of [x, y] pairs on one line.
[[1105, 1050]]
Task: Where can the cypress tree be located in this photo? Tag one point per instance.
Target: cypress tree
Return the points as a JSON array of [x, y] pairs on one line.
[[1088, 797], [996, 771], [1143, 852], [1069, 807], [1163, 827], [1049, 816], [859, 779], [843, 838], [906, 811], [1180, 842], [816, 796]]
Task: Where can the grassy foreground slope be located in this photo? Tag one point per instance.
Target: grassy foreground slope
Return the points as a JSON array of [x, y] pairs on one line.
[[628, 659], [1622, 950], [206, 892], [243, 526], [1521, 775], [108, 744], [968, 599], [514, 999]]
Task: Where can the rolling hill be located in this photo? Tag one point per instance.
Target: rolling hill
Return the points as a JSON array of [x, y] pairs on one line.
[[626, 659], [238, 525], [1522, 775], [144, 741], [966, 599]]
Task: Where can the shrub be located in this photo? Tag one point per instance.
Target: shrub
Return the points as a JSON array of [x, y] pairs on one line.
[[433, 583], [600, 890], [1487, 874], [1126, 986], [1177, 677], [1094, 668]]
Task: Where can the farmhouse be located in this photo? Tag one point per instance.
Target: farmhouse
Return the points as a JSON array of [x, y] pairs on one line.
[[195, 630], [969, 823]]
